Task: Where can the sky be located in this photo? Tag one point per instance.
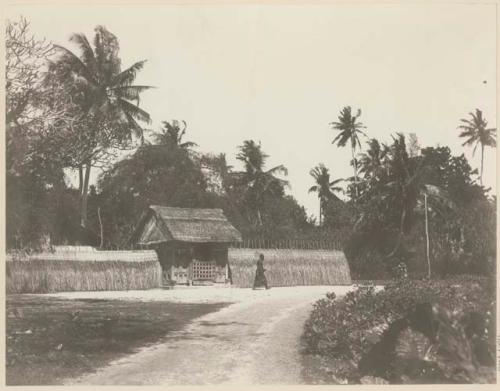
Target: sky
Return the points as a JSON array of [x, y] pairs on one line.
[[280, 74]]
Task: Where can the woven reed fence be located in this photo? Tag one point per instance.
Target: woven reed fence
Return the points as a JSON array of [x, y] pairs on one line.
[[289, 267], [298, 244], [83, 270]]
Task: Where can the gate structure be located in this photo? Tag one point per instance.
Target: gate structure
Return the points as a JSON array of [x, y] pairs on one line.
[[192, 244]]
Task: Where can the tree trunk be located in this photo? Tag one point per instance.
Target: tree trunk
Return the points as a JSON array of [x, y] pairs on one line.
[[427, 238], [400, 236], [320, 211], [482, 160], [355, 172], [84, 196], [80, 181], [100, 225], [259, 217]]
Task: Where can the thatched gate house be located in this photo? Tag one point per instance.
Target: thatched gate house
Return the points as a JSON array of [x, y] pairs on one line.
[[192, 244]]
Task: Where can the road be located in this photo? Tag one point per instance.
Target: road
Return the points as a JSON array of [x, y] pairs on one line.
[[254, 341]]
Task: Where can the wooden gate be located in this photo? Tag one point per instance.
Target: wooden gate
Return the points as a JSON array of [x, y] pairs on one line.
[[203, 270], [208, 271]]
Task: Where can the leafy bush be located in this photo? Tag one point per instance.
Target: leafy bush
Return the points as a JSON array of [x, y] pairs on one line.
[[351, 328]]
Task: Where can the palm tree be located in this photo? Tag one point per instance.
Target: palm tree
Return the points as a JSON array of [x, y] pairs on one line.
[[406, 190], [224, 170], [372, 163], [324, 187], [107, 101], [349, 128], [256, 180], [476, 132], [172, 134]]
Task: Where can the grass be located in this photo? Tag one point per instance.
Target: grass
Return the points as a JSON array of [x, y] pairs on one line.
[[47, 275], [288, 267], [50, 339]]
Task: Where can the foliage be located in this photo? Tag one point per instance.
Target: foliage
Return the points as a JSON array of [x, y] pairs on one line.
[[350, 129], [390, 217], [476, 132], [25, 57], [104, 105], [172, 134], [349, 328], [324, 187], [34, 177], [256, 182], [153, 175]]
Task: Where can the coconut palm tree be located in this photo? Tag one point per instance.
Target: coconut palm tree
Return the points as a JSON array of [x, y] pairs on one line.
[[476, 132], [106, 98], [350, 129], [257, 181], [407, 192], [372, 162], [224, 170], [324, 187], [172, 134]]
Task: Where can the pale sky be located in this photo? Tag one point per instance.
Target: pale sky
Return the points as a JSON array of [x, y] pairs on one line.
[[281, 73]]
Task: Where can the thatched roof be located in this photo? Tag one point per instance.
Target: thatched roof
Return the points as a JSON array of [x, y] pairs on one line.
[[163, 224]]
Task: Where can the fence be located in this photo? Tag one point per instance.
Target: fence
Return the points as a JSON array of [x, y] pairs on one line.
[[82, 269], [290, 267], [292, 244]]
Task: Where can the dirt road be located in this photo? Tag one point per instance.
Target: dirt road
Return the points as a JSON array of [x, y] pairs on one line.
[[254, 341]]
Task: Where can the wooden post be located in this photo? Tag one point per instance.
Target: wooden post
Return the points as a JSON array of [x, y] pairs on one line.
[[427, 238]]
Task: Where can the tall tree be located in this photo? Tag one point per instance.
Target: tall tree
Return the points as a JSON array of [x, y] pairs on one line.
[[257, 181], [171, 133], [372, 162], [217, 171], [34, 175], [24, 60], [152, 175], [476, 132], [324, 187], [407, 189], [106, 112], [350, 129]]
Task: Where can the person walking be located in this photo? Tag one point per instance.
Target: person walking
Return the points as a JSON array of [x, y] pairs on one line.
[[260, 277]]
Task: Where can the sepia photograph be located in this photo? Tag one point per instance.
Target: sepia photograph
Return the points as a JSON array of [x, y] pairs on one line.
[[250, 193]]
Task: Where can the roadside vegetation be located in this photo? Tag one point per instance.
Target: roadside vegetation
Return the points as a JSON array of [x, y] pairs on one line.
[[49, 340], [410, 332]]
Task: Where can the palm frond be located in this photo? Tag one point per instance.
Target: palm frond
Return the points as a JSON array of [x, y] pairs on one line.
[[128, 76], [188, 144], [72, 57], [135, 111], [87, 51], [281, 169], [341, 139], [137, 129], [131, 92], [313, 189], [332, 183]]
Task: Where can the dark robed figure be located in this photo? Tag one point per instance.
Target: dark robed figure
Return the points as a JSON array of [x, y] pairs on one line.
[[260, 277]]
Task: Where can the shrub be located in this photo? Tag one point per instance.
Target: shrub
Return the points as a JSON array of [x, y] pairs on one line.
[[348, 329]]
